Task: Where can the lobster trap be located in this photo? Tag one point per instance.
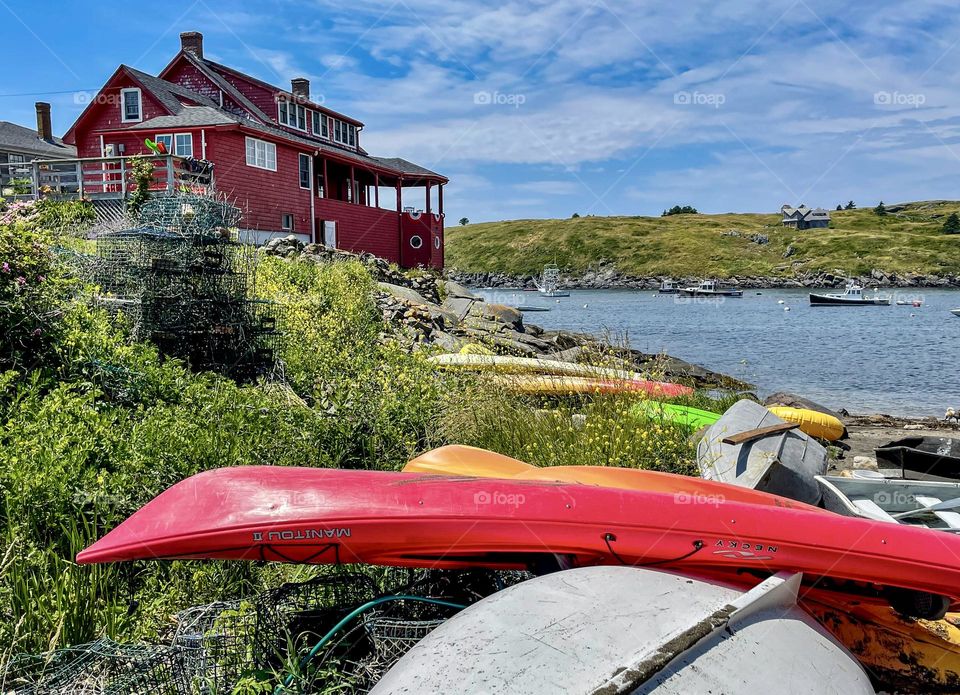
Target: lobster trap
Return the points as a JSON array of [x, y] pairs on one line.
[[185, 284], [339, 632], [103, 667]]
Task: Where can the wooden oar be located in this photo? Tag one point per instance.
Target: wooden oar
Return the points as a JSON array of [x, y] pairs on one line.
[[759, 433]]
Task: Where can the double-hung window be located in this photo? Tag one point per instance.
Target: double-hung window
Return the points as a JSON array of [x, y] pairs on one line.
[[131, 108], [183, 144], [320, 125], [305, 171], [293, 115], [261, 154]]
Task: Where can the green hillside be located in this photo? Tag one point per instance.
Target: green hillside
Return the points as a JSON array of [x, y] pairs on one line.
[[907, 240]]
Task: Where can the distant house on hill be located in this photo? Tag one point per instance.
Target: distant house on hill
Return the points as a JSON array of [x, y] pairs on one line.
[[20, 145], [804, 217]]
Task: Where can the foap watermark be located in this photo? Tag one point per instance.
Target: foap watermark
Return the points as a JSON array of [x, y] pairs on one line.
[[495, 98], [895, 499], [704, 299], [714, 99], [499, 498], [84, 98], [698, 498], [916, 100]]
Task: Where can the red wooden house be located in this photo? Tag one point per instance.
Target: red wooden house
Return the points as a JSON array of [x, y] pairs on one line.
[[292, 165]]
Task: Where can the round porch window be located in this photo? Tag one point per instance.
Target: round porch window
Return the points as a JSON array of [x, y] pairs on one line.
[[416, 241], [436, 242]]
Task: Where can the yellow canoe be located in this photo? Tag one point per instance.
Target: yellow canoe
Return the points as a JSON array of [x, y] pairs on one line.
[[814, 423], [906, 655]]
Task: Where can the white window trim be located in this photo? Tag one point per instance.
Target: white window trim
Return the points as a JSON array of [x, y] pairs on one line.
[[283, 218], [190, 135], [123, 105], [247, 140], [320, 116], [173, 141], [309, 171], [296, 120]]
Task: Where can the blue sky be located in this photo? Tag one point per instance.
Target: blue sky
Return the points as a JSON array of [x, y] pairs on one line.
[[545, 108]]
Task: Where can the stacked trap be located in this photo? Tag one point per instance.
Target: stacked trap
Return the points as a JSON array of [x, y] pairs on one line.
[[185, 285], [342, 630]]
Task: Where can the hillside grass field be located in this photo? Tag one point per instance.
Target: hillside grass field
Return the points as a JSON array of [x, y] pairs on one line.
[[907, 240]]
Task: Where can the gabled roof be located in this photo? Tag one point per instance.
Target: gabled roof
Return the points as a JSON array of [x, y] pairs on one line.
[[266, 85], [222, 84], [803, 212], [169, 94], [21, 140]]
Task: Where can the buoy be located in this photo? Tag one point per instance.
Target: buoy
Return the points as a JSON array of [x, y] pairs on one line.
[[786, 308], [585, 306], [780, 301]]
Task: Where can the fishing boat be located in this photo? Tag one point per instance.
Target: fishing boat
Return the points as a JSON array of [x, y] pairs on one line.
[[334, 516], [955, 312], [917, 502], [632, 630], [852, 296], [710, 288], [547, 285], [752, 447], [922, 458], [667, 287]]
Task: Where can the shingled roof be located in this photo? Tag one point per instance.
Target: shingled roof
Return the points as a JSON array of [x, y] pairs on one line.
[[21, 140]]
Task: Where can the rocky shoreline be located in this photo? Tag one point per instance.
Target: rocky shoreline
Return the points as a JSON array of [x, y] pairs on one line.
[[424, 309], [608, 277]]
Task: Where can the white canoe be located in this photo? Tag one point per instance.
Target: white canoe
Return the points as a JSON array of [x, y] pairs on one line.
[[504, 364], [629, 630], [783, 462], [883, 498]]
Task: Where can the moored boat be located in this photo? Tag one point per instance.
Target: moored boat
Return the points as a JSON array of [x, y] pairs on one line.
[[667, 287], [548, 282], [955, 312], [710, 288], [852, 296]]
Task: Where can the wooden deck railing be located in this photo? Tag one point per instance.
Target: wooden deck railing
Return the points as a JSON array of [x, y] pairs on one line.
[[112, 177]]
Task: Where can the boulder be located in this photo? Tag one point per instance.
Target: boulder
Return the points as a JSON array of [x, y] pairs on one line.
[[501, 313], [460, 306], [792, 400], [415, 299], [456, 290]]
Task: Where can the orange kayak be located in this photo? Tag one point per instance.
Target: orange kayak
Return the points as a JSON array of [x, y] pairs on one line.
[[480, 463]]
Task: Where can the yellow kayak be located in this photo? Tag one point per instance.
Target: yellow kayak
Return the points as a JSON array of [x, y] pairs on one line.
[[814, 423]]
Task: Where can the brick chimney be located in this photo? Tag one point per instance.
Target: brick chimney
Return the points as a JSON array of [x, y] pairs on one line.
[[192, 42], [300, 86], [44, 127]]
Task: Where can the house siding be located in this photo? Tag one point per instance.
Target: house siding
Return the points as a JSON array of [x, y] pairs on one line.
[[263, 196], [187, 75], [363, 229]]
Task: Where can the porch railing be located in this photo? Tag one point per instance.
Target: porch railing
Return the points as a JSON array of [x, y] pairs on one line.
[[101, 177]]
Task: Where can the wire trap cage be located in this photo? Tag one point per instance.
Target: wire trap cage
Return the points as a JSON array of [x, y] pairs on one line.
[[185, 284], [103, 667]]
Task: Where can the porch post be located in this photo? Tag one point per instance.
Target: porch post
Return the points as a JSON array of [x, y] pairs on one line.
[[36, 180], [399, 197], [440, 199], [326, 184], [376, 189], [353, 189], [427, 208]]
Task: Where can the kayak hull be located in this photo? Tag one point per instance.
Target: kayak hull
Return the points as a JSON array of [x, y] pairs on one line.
[[479, 463], [328, 516]]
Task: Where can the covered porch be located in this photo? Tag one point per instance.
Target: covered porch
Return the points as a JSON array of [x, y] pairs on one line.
[[379, 208]]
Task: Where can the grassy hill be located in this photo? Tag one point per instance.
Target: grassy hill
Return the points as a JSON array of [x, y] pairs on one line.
[[908, 240]]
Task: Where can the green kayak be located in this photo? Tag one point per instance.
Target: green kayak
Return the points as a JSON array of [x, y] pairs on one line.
[[693, 418]]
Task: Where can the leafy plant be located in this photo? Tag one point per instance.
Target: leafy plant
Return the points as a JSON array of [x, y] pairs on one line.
[[141, 171], [678, 210], [952, 224]]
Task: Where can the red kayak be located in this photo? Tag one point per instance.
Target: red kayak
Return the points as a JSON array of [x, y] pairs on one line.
[[327, 516]]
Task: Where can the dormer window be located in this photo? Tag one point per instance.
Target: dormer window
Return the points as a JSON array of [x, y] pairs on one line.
[[320, 126], [292, 115], [344, 133], [130, 105]]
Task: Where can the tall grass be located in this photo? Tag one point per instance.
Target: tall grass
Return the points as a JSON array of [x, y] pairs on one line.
[[96, 426]]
